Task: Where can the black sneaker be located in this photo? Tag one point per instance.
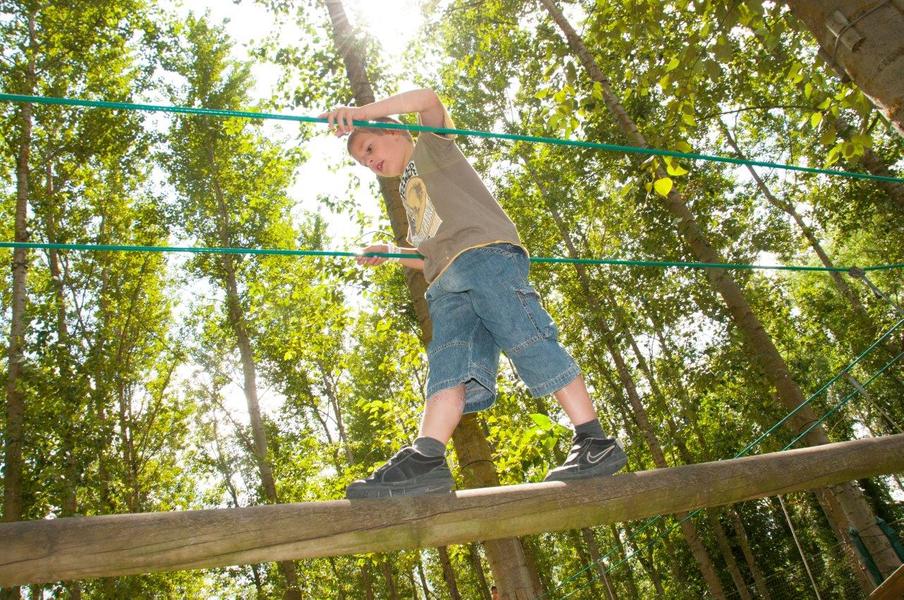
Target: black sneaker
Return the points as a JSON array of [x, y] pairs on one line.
[[408, 473], [590, 457]]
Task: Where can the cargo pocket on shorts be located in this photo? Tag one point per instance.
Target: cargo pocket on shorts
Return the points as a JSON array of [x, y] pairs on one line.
[[542, 323]]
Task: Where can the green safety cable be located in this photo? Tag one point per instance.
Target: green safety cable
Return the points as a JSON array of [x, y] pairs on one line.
[[651, 521], [694, 513], [840, 404], [338, 253], [243, 114]]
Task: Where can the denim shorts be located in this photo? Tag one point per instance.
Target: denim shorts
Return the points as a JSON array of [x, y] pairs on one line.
[[480, 305]]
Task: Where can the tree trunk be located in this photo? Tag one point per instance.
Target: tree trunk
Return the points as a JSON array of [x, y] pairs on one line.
[[65, 363], [367, 581], [728, 555], [577, 540], [594, 550], [249, 371], [632, 587], [13, 509], [511, 572], [448, 572], [477, 568], [13, 503], [764, 353], [701, 555], [870, 48], [423, 578], [762, 589], [648, 565], [389, 577]]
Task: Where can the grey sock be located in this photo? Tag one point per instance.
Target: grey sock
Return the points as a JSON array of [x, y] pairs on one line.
[[590, 428], [429, 446]]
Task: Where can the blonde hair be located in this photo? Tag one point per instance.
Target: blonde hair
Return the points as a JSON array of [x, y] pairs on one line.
[[375, 131]]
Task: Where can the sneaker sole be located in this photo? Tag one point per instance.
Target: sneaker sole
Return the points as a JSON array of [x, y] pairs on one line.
[[421, 488], [603, 469]]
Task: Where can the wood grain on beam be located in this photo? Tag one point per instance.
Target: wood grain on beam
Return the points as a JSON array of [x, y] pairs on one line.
[[83, 547]]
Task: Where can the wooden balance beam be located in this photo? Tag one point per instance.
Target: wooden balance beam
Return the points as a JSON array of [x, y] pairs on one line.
[[83, 547]]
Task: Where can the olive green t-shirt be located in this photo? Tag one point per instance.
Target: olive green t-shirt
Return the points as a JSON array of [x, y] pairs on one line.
[[449, 208]]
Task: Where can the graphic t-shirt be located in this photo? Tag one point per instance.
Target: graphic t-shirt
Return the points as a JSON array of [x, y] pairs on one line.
[[449, 208]]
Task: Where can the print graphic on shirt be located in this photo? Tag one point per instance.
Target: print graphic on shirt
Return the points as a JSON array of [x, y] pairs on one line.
[[423, 222]]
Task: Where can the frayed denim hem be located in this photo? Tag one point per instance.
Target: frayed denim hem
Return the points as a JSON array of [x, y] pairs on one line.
[[556, 383]]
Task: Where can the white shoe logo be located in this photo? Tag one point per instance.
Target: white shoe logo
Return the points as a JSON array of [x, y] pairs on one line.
[[593, 459]]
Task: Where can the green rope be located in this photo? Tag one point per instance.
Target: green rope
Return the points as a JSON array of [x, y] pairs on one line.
[[651, 521], [337, 253], [464, 132], [841, 403]]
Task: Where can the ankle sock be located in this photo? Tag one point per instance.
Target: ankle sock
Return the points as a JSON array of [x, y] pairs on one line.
[[429, 446], [590, 429]]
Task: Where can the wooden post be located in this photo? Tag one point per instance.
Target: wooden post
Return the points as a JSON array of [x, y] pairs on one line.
[[76, 548]]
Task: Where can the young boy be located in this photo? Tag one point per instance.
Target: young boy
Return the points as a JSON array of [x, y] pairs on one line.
[[479, 299]]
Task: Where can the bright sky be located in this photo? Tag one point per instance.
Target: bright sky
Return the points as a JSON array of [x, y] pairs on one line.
[[394, 23]]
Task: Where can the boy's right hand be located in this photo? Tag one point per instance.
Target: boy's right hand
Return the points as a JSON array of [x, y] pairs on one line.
[[340, 119], [373, 260]]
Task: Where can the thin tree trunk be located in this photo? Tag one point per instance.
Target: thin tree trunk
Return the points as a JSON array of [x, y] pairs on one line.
[[594, 550], [448, 572], [577, 540], [763, 351], [869, 49], [477, 568], [701, 555], [423, 578], [800, 550], [648, 566], [367, 581], [15, 399], [389, 577], [762, 589], [632, 586], [512, 574], [71, 406], [249, 371], [728, 555], [13, 503]]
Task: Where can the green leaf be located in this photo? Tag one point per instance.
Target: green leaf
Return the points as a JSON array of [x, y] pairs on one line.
[[675, 170], [815, 119], [663, 186], [597, 92], [688, 119], [542, 421], [673, 64]]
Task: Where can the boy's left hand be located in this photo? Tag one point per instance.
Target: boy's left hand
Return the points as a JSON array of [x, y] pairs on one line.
[[341, 118]]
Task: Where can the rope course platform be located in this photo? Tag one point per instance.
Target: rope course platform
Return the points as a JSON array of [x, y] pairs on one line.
[[84, 547]]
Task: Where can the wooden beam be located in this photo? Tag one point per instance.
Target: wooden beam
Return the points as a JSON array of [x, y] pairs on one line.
[[82, 547], [892, 588]]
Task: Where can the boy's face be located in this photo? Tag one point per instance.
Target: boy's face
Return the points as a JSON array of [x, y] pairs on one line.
[[386, 155]]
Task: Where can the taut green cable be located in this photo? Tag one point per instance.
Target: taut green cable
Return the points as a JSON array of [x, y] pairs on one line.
[[338, 253], [213, 112], [652, 520]]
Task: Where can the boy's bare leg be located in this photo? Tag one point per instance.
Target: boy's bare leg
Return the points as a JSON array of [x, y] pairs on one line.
[[442, 413], [421, 468], [592, 453], [575, 400]]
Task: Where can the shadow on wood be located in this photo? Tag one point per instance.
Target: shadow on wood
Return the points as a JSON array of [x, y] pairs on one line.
[[82, 547]]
